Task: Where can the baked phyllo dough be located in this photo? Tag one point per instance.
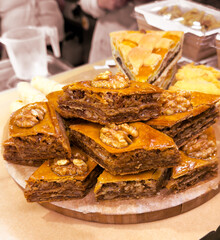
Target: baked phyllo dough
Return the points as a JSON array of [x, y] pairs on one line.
[[62, 179], [147, 56], [36, 133], [199, 162], [145, 184], [110, 98], [125, 148], [199, 78], [185, 115]]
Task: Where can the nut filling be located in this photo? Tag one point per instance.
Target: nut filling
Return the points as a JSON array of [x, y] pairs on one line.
[[30, 116], [118, 136], [200, 147], [175, 102], [108, 80], [72, 167]]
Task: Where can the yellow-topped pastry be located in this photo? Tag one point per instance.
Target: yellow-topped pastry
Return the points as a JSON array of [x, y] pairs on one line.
[[199, 78], [146, 56]]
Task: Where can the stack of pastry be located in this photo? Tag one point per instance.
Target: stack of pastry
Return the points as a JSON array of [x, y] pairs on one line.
[[139, 157], [137, 134], [135, 157]]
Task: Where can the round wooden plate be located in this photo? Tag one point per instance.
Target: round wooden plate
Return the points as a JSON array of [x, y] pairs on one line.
[[124, 211], [119, 212]]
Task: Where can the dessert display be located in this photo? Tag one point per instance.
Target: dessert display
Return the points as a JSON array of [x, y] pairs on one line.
[[198, 162], [118, 138], [110, 98], [146, 184], [186, 118], [62, 179], [36, 134], [126, 148], [147, 56], [193, 18]]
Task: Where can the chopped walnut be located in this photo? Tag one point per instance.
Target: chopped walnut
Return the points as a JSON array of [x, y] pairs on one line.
[[62, 162], [108, 80], [29, 116], [103, 76], [200, 147], [72, 167], [175, 102], [80, 156], [80, 165], [118, 136]]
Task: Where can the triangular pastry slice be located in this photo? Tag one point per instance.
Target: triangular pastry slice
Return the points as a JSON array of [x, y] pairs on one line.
[[167, 44], [198, 163]]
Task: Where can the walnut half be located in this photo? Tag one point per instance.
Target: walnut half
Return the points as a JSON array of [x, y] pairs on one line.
[[118, 136], [108, 80], [29, 116]]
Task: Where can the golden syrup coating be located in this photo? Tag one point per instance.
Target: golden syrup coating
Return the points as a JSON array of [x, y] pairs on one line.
[[118, 136], [148, 138], [29, 116]]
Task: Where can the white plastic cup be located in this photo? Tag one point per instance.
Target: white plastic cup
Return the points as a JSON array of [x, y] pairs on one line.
[[26, 48]]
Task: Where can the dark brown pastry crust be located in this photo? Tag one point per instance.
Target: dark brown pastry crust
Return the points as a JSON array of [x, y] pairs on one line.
[[150, 150], [44, 185], [137, 102], [145, 184], [190, 172], [32, 146]]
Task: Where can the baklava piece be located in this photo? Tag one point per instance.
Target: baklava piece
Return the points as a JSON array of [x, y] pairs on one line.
[[125, 148], [36, 133], [145, 184], [199, 163], [62, 179], [147, 56], [110, 98], [185, 115]]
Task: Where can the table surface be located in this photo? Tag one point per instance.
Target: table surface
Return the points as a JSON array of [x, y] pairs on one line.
[[21, 220]]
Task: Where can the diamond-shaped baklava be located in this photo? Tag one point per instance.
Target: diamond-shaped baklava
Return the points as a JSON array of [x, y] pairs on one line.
[[62, 179], [110, 98], [36, 133], [185, 115], [144, 184], [199, 162], [125, 148]]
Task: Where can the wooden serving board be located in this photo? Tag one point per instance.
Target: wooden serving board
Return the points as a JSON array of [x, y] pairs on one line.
[[121, 211], [124, 211]]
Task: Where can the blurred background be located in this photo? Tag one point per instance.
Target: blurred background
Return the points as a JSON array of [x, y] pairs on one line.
[[78, 30]]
